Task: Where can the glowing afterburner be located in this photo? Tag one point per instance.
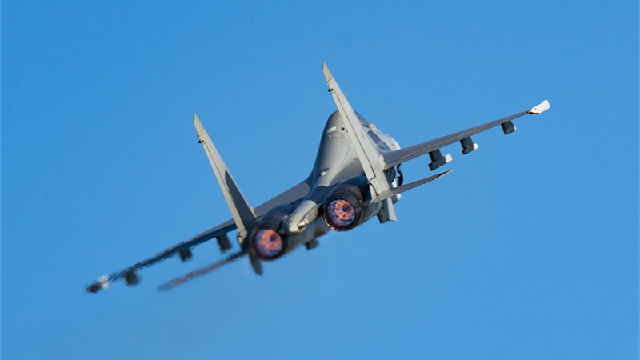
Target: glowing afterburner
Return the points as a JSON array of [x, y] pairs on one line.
[[267, 243], [340, 214]]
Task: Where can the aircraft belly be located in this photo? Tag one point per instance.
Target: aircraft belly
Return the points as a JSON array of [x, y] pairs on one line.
[[314, 230]]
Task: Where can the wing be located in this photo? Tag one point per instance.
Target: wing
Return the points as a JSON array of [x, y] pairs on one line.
[[129, 274], [394, 158]]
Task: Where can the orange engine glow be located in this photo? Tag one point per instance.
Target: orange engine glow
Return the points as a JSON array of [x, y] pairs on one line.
[[340, 214], [267, 243]]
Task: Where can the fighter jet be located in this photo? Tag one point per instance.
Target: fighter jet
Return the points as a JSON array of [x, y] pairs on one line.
[[356, 176]]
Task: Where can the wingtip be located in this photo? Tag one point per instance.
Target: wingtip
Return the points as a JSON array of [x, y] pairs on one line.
[[101, 283], [326, 72], [540, 108]]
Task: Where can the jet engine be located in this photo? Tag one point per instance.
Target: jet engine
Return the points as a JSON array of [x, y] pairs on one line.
[[343, 208], [267, 242]]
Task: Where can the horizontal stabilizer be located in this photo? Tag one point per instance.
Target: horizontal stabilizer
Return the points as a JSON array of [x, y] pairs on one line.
[[201, 271], [400, 189]]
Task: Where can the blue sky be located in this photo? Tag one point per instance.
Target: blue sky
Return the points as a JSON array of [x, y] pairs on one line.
[[528, 250]]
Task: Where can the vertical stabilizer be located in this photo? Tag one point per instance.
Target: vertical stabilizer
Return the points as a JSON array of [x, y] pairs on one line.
[[367, 153], [241, 211]]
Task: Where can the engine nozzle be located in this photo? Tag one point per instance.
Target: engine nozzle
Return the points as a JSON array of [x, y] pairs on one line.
[[340, 214], [268, 244], [343, 208]]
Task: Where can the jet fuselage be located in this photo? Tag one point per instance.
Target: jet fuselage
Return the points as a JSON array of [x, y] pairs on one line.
[[305, 220]]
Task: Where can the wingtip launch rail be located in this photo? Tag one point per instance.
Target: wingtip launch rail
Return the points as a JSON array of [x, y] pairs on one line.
[[540, 108]]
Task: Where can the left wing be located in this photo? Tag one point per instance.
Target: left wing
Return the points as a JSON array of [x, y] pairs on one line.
[[397, 157], [130, 274]]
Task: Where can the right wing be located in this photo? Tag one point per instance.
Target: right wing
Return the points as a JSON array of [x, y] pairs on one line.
[[397, 157]]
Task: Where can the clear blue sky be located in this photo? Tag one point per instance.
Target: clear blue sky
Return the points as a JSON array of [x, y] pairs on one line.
[[529, 250]]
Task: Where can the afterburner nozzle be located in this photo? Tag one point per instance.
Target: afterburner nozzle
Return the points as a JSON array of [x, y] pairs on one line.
[[268, 244], [340, 214]]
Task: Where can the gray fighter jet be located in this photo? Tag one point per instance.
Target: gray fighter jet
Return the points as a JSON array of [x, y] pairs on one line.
[[356, 176]]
